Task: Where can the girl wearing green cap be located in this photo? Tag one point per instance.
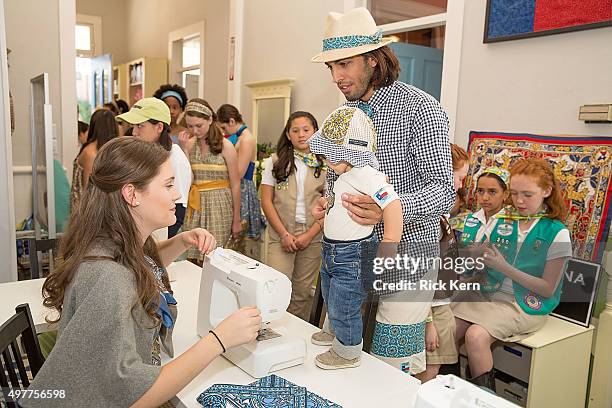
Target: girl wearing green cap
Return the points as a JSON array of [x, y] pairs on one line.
[[151, 119]]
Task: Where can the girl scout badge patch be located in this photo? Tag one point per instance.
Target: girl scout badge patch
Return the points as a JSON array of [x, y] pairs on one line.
[[505, 229], [532, 301], [471, 222], [537, 245]]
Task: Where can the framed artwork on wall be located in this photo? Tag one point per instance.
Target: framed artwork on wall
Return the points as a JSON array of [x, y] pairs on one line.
[[514, 19]]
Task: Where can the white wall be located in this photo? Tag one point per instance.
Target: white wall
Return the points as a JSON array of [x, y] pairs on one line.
[[114, 30], [280, 37], [8, 272], [533, 85], [32, 32], [149, 22]]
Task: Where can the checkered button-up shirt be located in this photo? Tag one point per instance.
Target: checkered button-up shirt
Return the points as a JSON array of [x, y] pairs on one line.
[[414, 152]]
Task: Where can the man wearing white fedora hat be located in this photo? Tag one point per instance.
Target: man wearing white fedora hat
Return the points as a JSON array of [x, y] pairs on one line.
[[414, 152]]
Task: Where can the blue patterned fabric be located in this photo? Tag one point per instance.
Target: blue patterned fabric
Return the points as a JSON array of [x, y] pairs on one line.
[[366, 108], [245, 396], [250, 209], [268, 392], [351, 41], [312, 400], [398, 341]]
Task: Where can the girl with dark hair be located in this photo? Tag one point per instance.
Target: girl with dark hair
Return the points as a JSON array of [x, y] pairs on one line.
[[83, 129], [111, 289], [525, 255], [102, 128], [237, 132], [151, 120], [122, 105], [214, 197], [292, 182], [175, 97]]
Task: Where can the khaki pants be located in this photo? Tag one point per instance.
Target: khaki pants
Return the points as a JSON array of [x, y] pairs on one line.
[[301, 267]]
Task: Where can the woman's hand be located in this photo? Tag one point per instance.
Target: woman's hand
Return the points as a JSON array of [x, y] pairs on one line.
[[186, 141], [236, 228], [494, 259], [240, 327], [199, 238], [288, 243], [431, 337]]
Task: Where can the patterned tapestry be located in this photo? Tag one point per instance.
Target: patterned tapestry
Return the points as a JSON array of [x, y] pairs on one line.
[[582, 165]]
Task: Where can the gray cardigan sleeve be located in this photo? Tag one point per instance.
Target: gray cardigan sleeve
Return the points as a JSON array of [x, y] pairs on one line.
[[103, 354]]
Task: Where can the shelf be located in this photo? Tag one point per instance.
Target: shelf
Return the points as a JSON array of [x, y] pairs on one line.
[[136, 84]]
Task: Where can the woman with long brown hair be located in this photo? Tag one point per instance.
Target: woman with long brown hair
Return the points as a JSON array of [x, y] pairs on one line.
[[214, 197], [112, 292]]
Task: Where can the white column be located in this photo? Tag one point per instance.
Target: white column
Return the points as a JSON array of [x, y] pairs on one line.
[[68, 146], [453, 42], [8, 251], [236, 23]]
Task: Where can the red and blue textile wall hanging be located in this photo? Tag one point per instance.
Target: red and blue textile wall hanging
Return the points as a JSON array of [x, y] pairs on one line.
[[583, 166], [514, 19]]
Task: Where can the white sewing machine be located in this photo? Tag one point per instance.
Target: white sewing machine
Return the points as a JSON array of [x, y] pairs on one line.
[[231, 280], [450, 391]]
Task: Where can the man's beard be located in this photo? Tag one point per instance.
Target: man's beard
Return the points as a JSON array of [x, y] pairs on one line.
[[365, 83]]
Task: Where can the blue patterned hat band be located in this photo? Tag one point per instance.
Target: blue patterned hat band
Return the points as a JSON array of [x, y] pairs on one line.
[[351, 41]]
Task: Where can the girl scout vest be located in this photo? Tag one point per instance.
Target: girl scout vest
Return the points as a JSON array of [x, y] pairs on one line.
[[470, 229], [285, 199], [530, 258]]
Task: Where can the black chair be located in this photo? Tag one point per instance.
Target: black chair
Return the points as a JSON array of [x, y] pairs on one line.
[[20, 324], [40, 245]]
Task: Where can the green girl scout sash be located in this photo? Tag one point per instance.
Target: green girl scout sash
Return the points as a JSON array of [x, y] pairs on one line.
[[531, 259]]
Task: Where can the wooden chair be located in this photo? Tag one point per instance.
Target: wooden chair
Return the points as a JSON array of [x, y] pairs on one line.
[[12, 368], [40, 245]]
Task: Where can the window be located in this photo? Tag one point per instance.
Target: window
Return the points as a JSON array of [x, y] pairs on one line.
[[88, 35], [185, 48], [392, 11], [191, 52], [83, 39]]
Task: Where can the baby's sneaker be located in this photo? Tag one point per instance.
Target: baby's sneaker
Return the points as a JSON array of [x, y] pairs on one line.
[[330, 360], [322, 338]]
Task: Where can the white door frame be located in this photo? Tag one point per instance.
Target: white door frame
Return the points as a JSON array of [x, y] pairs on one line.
[[453, 40], [8, 251]]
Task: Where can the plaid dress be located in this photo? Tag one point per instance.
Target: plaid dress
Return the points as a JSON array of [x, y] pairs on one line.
[[215, 213]]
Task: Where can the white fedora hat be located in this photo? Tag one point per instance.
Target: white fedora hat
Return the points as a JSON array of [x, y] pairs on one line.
[[350, 34]]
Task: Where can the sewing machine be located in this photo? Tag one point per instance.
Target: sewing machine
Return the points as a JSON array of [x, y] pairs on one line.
[[450, 391], [230, 281]]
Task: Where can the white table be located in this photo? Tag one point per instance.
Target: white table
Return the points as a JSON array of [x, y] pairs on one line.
[[374, 383]]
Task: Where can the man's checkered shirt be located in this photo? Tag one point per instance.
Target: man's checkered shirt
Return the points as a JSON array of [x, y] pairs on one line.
[[414, 152]]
